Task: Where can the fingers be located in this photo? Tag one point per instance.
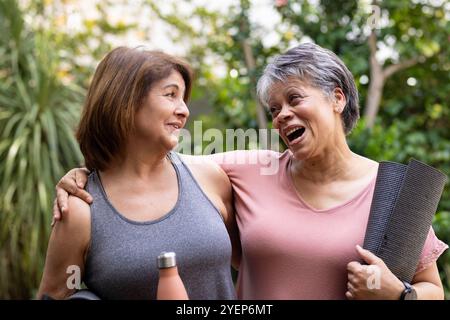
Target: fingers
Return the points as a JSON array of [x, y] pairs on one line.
[[352, 291], [356, 278], [351, 277], [354, 267], [367, 256], [350, 288], [83, 195], [72, 183], [56, 212], [62, 197], [68, 183], [349, 295], [81, 177]]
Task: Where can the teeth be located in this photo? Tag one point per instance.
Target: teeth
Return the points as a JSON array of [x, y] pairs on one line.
[[292, 130]]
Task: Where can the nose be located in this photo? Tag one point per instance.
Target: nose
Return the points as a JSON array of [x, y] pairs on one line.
[[285, 114], [182, 110]]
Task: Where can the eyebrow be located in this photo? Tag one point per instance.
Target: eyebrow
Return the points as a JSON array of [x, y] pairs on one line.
[[174, 85], [286, 91], [294, 88], [171, 85]]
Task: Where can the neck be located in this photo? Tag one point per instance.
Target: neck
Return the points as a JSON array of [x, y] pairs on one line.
[[335, 162], [140, 161]]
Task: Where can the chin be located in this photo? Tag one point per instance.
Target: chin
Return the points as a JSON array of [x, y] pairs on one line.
[[171, 144]]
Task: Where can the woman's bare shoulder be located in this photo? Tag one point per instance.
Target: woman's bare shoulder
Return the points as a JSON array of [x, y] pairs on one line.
[[204, 167], [77, 222]]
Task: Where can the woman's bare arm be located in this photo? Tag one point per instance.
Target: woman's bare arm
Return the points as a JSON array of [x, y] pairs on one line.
[[67, 248], [428, 284]]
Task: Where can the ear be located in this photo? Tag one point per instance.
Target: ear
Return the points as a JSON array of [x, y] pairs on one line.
[[339, 100]]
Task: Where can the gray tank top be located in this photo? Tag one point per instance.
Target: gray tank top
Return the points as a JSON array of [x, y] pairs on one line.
[[121, 261]]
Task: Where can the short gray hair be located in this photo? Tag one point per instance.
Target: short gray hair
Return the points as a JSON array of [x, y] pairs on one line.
[[319, 67]]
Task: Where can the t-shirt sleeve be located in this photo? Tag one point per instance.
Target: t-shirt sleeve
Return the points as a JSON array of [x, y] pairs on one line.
[[431, 251], [229, 161], [239, 162]]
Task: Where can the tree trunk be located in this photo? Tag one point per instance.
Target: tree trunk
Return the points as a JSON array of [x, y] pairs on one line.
[[378, 77], [251, 67], [376, 85], [373, 101]]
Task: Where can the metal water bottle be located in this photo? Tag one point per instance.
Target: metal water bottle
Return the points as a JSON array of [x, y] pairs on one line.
[[170, 285]]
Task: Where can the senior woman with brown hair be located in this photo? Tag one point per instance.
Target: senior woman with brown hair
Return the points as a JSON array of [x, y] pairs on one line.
[[300, 229]]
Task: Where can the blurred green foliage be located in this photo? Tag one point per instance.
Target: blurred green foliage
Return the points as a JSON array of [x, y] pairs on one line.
[[42, 87], [36, 112], [45, 69]]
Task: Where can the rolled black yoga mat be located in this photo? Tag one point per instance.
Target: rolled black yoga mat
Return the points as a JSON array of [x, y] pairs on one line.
[[404, 202]]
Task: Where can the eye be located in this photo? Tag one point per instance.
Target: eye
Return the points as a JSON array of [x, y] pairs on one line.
[[170, 94], [274, 111], [294, 97]]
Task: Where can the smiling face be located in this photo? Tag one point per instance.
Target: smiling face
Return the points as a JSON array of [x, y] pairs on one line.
[[159, 120], [136, 98], [307, 120]]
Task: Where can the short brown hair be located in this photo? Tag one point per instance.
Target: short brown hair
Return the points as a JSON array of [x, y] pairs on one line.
[[119, 86]]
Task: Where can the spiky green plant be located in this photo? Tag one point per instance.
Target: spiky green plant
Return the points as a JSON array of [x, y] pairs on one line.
[[38, 111]]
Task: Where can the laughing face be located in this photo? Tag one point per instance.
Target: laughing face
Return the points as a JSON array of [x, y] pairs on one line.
[[307, 120], [164, 112]]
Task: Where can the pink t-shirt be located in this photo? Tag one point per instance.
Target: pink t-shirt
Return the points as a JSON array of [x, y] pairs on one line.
[[290, 250]]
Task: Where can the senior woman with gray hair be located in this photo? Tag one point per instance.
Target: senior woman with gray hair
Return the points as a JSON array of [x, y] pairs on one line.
[[300, 229]]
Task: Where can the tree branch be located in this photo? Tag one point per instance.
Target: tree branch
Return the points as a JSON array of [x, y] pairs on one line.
[[390, 70], [372, 43]]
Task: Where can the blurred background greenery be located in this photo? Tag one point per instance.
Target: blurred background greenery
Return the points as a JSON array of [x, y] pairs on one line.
[[49, 49]]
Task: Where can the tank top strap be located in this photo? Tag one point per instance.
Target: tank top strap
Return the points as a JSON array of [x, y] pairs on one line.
[[189, 186]]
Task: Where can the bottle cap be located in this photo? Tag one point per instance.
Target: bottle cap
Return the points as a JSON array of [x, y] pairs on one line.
[[167, 260]]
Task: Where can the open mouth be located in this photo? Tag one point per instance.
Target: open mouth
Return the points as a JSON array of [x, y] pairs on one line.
[[295, 133]]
